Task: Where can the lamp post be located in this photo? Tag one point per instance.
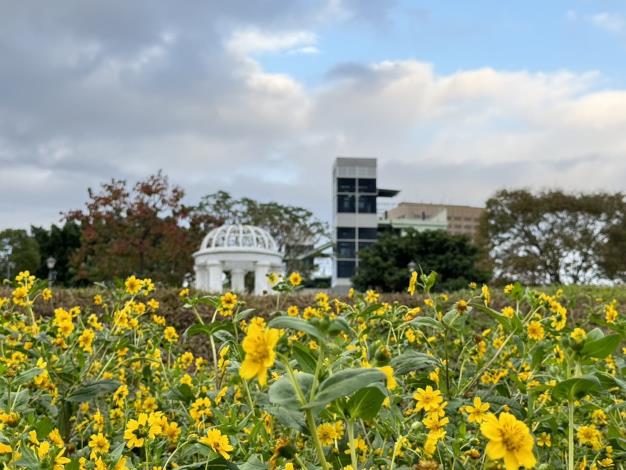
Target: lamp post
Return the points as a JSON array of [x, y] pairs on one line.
[[51, 262], [412, 265]]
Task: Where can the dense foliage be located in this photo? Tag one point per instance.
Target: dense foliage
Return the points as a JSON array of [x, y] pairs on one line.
[[348, 385], [384, 265], [554, 238]]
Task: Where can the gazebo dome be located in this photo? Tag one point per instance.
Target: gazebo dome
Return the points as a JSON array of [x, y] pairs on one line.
[[247, 237], [236, 249]]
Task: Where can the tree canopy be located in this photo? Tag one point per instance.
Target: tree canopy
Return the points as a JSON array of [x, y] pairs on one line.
[[384, 264], [554, 237], [145, 230]]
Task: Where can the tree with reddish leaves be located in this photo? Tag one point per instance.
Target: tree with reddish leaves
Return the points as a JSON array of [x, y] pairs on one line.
[[145, 230]]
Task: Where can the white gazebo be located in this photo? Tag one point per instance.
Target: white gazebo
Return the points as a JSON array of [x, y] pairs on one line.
[[236, 249]]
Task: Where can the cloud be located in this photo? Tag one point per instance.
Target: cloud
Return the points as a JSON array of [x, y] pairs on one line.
[[611, 22], [122, 89], [250, 41]]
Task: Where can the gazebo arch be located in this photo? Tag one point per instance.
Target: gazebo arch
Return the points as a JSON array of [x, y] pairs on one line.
[[237, 249]]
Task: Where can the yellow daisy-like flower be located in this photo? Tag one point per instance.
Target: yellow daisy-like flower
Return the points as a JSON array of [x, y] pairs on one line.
[[133, 285], [137, 430], [535, 330], [427, 399], [98, 444], [259, 346], [478, 412], [509, 440], [327, 433], [218, 442], [170, 334], [295, 279], [85, 340]]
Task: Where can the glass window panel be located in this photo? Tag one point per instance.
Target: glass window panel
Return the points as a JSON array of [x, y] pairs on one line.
[[345, 203], [345, 268], [367, 185], [368, 233], [346, 185], [367, 204], [346, 233], [346, 249]]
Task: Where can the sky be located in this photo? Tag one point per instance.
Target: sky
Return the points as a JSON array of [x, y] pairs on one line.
[[456, 99]]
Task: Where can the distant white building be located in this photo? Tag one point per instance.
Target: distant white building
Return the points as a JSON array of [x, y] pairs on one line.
[[355, 219], [236, 249]]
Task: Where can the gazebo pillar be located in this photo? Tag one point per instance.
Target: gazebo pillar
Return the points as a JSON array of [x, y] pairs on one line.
[[260, 277], [214, 283], [237, 276]]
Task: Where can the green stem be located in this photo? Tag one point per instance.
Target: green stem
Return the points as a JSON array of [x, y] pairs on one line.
[[350, 427], [570, 435], [316, 440]]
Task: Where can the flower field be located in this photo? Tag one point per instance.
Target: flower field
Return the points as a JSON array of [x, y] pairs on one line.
[[357, 383]]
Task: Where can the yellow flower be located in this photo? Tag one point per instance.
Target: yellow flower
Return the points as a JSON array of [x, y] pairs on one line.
[[427, 399], [170, 334], [228, 301], [327, 433], [578, 335], [273, 278], [508, 312], [46, 294], [391, 380], [371, 296], [589, 435], [478, 412], [85, 340], [295, 279], [218, 442], [535, 330], [97, 299], [184, 293], [137, 430], [461, 306], [544, 440], [510, 440], [259, 346], [412, 283], [486, 295], [133, 285], [292, 311], [98, 445], [5, 449]]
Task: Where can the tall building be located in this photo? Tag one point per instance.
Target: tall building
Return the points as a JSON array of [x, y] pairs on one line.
[[461, 220], [355, 219]]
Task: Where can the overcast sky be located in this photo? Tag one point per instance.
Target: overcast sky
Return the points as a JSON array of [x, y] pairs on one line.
[[456, 99]]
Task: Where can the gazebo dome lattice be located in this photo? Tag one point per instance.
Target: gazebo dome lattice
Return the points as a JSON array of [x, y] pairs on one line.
[[236, 249]]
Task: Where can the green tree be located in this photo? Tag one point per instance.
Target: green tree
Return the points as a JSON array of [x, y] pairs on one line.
[[384, 264], [24, 252], [555, 238], [144, 230], [295, 229], [59, 243]]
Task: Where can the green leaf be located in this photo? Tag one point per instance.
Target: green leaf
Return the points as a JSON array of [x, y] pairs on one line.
[[601, 347], [608, 381], [344, 383], [338, 325], [43, 427], [576, 388], [92, 390], [304, 357], [412, 360], [26, 376], [366, 402], [427, 322], [208, 329], [502, 319], [283, 393], [253, 463], [297, 324], [292, 419]]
